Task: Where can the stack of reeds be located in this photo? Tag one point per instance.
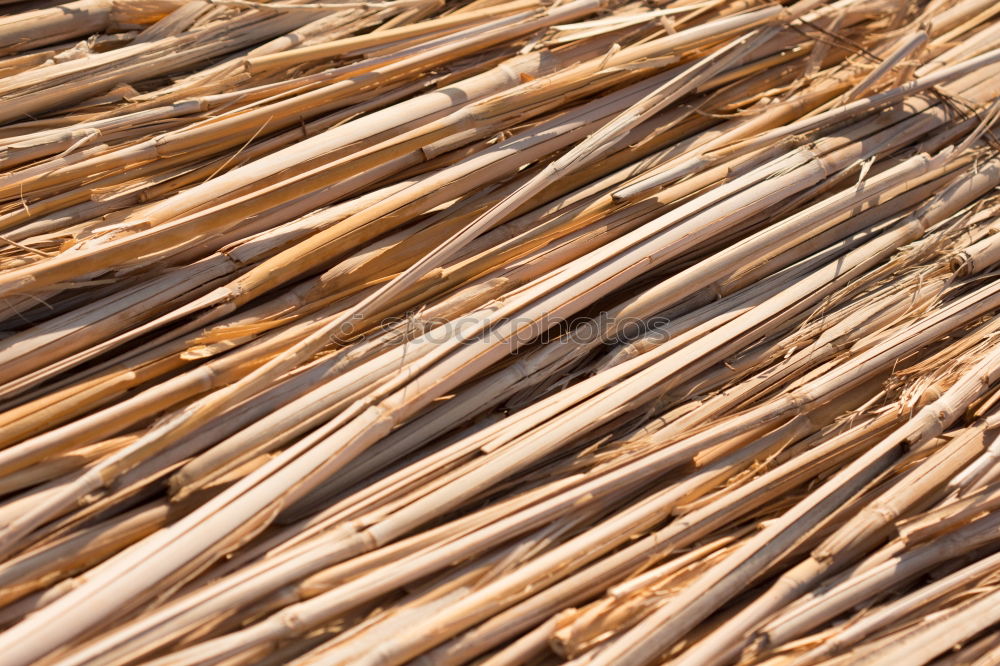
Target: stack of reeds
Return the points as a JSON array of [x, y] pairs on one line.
[[604, 332]]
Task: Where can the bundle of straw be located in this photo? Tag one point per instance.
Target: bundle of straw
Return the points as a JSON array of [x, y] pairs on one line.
[[598, 332]]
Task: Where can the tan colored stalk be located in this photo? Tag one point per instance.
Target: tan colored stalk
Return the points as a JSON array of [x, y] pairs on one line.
[[348, 45], [926, 643], [31, 29], [655, 633]]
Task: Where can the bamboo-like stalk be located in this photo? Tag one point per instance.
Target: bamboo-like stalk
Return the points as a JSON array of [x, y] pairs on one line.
[[424, 332], [41, 27]]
